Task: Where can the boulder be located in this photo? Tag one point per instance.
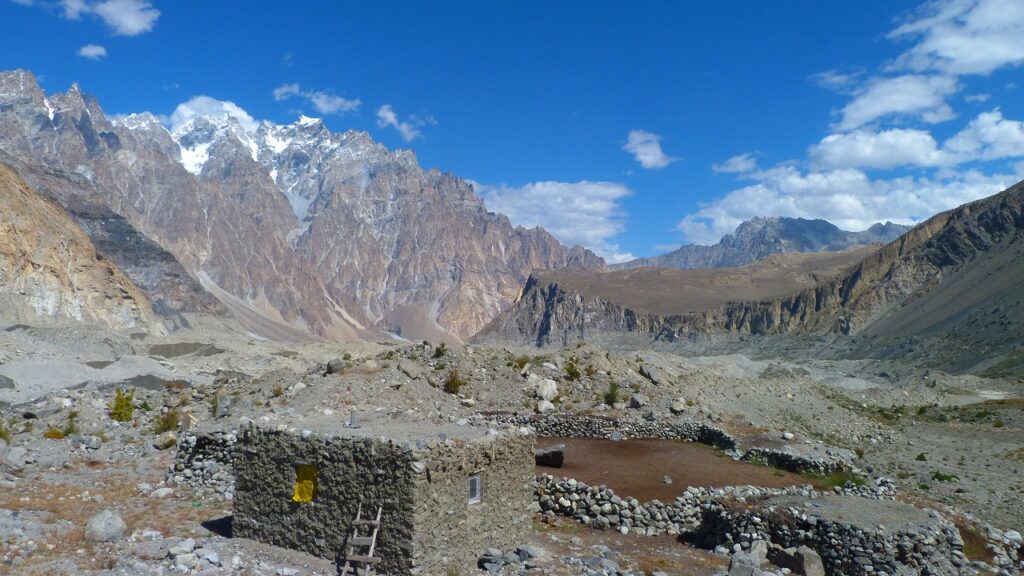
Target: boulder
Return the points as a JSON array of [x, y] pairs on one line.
[[410, 368], [105, 526], [335, 366], [653, 373], [551, 457], [16, 458], [546, 389], [638, 401], [543, 407], [678, 406], [802, 560]]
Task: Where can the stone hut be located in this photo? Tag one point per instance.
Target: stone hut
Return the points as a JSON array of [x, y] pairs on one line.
[[446, 493]]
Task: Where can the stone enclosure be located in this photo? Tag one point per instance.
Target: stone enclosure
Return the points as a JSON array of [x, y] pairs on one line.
[[430, 523]]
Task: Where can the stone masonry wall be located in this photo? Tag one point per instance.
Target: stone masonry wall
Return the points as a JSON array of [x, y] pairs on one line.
[[451, 533], [350, 470]]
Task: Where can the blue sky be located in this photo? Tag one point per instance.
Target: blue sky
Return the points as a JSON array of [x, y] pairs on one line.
[[631, 127]]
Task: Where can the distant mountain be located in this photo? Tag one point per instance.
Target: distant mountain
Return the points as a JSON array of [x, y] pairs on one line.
[[947, 293], [50, 271], [757, 238], [295, 229]]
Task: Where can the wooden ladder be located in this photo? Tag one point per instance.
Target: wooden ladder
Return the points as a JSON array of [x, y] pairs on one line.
[[367, 542]]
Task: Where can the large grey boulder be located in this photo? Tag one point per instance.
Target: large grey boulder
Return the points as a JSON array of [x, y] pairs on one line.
[[16, 458], [654, 374], [410, 368], [105, 526], [802, 560]]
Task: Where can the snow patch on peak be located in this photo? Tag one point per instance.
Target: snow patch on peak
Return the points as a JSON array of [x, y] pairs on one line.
[[194, 158], [140, 121], [307, 121]]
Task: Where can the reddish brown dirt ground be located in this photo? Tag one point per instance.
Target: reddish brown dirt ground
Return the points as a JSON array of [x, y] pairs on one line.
[[637, 467]]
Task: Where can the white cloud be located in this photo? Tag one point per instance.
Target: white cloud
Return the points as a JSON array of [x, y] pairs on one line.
[[646, 149], [408, 129], [990, 136], [207, 106], [92, 51], [322, 102], [836, 80], [740, 164], [123, 17], [977, 97], [886, 149], [913, 95], [585, 213], [962, 37], [285, 91], [848, 198]]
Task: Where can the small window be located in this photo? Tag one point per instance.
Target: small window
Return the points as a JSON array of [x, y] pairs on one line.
[[475, 489], [305, 483]]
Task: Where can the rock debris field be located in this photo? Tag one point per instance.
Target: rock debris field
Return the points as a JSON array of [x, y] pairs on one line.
[[834, 467]]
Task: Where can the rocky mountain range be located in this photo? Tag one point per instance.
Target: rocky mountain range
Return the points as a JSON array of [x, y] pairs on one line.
[[954, 280], [760, 237], [50, 270], [297, 231]]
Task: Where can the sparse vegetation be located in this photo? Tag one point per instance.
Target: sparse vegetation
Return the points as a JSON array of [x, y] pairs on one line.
[[277, 390], [520, 362], [53, 433], [940, 477], [440, 351], [123, 407], [921, 457], [346, 357], [837, 478], [590, 371], [5, 432], [167, 422], [572, 373], [454, 382], [611, 396]]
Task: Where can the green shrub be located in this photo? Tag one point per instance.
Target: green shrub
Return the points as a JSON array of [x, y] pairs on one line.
[[440, 351], [53, 433], [520, 362], [940, 477], [346, 357], [611, 396], [5, 432], [454, 382], [123, 407], [572, 373], [921, 457], [590, 371], [71, 426], [166, 422]]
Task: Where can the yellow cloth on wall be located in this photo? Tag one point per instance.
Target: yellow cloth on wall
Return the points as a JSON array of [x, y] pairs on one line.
[[305, 483]]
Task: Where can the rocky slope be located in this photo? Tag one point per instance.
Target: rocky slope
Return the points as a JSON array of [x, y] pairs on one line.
[[49, 269], [954, 280], [300, 232], [564, 306], [760, 237]]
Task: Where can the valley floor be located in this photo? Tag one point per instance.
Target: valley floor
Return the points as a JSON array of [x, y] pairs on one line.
[[951, 442]]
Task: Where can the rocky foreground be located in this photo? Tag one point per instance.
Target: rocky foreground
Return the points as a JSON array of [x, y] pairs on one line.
[[101, 470]]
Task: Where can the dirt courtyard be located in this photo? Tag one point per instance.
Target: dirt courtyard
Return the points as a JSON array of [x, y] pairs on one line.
[[637, 468]]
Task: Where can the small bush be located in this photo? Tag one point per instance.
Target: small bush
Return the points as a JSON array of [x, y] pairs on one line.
[[611, 396], [71, 426], [440, 351], [5, 432], [145, 406], [572, 373], [53, 433], [520, 362], [346, 357], [123, 407], [590, 371], [940, 477], [859, 451], [998, 423], [923, 486], [454, 382], [214, 404], [277, 390], [921, 457], [166, 422]]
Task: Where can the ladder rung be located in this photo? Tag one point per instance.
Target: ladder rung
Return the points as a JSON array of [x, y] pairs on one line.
[[365, 523], [361, 540], [363, 559]]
